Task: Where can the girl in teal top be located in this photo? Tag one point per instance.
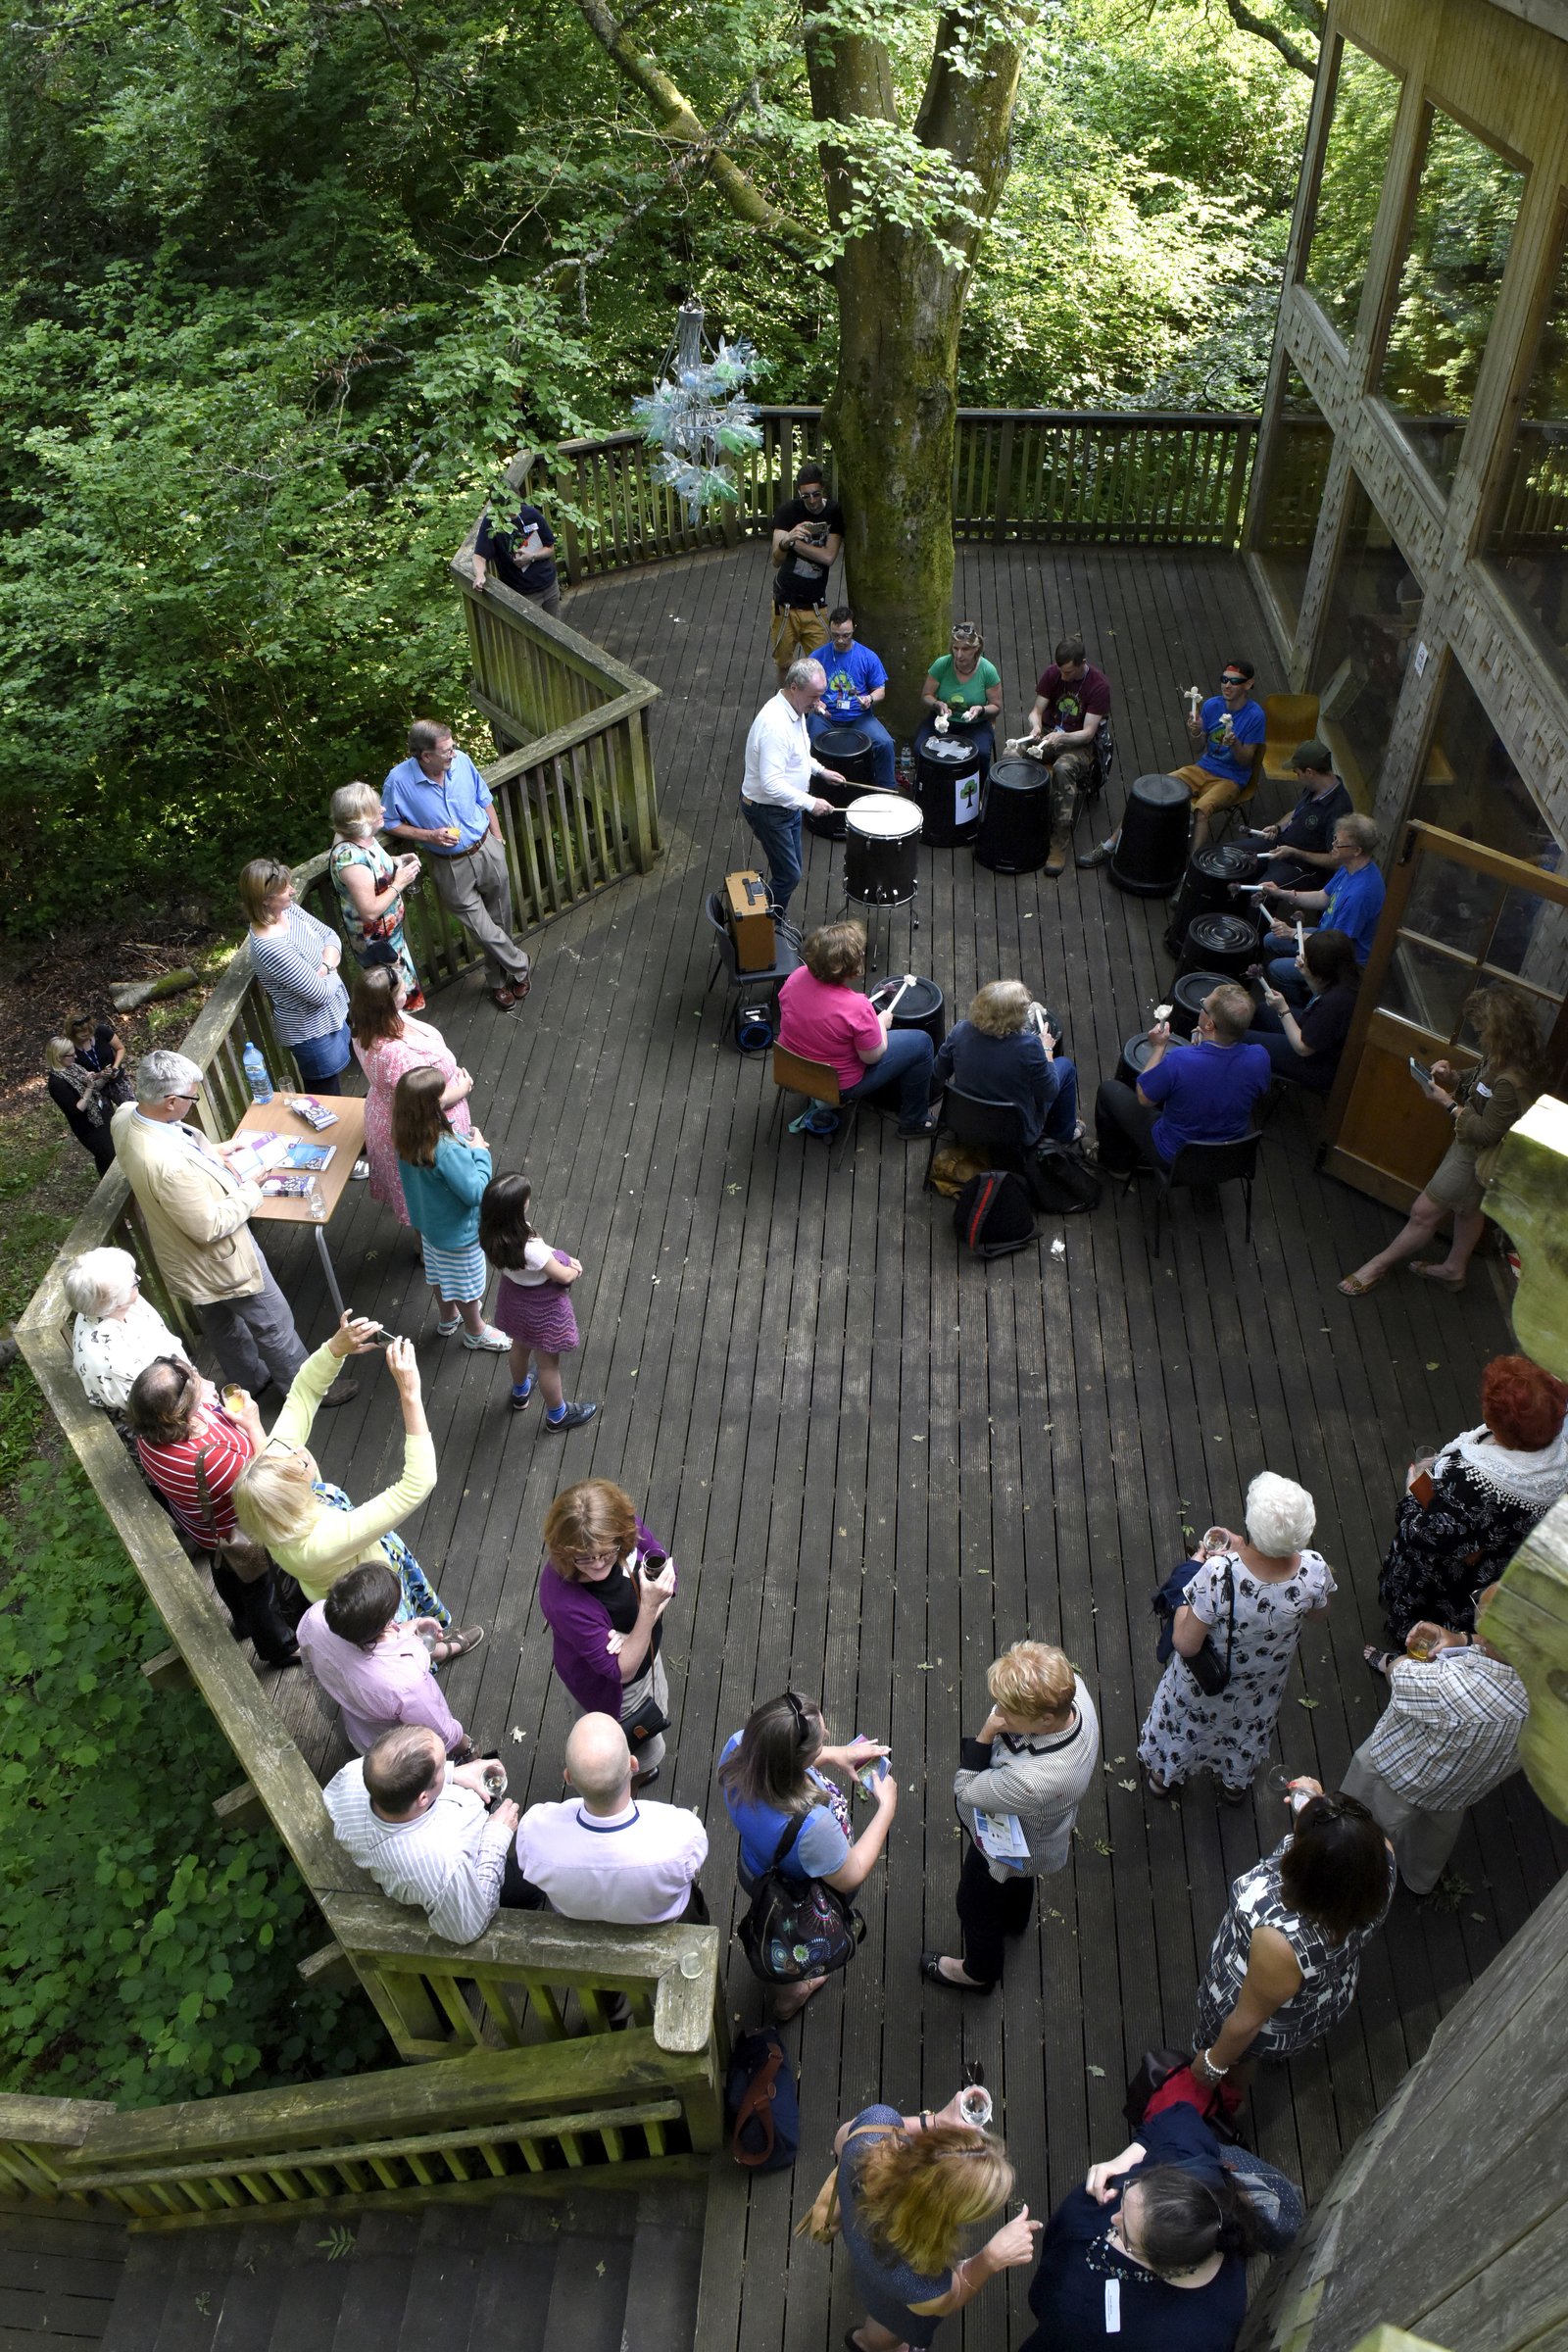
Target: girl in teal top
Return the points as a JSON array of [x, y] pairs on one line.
[[444, 1176]]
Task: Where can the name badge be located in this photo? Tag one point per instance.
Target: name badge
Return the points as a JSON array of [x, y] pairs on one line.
[[1481, 1088], [1113, 2307]]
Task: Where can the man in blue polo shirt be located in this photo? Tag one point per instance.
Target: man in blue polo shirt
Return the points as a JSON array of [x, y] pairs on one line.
[[855, 683], [1352, 904], [436, 797], [1197, 1093]]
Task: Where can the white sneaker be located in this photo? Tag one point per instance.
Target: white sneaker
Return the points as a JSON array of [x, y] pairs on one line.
[[493, 1342], [360, 1170]]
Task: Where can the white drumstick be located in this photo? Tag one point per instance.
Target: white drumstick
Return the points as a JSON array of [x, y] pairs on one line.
[[893, 1004]]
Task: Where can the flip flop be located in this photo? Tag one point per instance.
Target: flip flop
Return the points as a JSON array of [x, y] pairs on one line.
[[1354, 1287]]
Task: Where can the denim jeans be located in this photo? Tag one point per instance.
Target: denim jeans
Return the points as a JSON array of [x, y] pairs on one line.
[[1062, 1116], [818, 723], [907, 1064], [779, 830]]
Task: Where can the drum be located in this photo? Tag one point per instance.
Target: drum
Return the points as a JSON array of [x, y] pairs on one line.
[[1134, 1060], [1187, 998], [921, 1006], [1016, 818], [880, 836], [1151, 858], [849, 749], [947, 785], [1207, 888], [1226, 944]]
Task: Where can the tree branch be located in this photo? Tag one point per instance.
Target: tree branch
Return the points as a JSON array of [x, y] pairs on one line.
[[1245, 22], [679, 123]]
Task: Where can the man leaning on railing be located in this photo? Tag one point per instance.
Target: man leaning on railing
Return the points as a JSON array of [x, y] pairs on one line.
[[428, 1835]]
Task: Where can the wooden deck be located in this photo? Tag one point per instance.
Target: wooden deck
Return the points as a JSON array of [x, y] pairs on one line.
[[878, 1464]]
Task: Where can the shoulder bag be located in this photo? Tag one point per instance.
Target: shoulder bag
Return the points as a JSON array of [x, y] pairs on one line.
[[797, 1927], [822, 2223], [1208, 1671]]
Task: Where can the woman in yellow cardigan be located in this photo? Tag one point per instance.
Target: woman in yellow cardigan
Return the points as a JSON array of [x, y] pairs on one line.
[[309, 1526]]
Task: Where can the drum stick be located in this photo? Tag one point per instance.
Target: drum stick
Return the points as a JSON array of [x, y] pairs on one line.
[[894, 1002]]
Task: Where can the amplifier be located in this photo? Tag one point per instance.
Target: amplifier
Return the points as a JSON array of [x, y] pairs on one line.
[[751, 923]]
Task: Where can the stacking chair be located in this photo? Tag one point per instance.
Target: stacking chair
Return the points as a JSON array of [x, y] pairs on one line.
[[737, 981], [1287, 719], [818, 1082], [1199, 1164], [995, 1127]]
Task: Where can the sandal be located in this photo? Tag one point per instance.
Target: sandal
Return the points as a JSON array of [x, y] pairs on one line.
[[458, 1644], [1233, 1796], [1429, 1271], [444, 1330], [1355, 1286]]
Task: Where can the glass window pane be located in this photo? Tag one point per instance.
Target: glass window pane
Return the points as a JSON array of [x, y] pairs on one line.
[[1292, 495], [1465, 208], [1528, 540], [1472, 787], [1453, 905], [1369, 633], [1356, 163], [1532, 940], [1427, 987]]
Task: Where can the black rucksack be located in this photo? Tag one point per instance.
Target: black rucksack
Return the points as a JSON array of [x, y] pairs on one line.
[[1065, 1184], [993, 1213], [797, 1927]]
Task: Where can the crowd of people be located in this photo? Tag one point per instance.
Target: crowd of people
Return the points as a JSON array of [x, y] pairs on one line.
[[1154, 2246]]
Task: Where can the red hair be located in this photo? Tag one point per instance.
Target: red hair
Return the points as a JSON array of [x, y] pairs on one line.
[[1522, 1405]]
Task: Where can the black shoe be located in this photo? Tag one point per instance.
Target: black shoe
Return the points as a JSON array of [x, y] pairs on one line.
[[343, 1390], [572, 1418], [290, 1657], [1100, 855], [645, 1780], [932, 1970]]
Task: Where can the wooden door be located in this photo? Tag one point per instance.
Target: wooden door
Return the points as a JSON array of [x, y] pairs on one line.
[[1457, 917]]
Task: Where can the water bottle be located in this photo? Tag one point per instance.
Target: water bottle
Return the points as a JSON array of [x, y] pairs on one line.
[[315, 1202], [256, 1073]]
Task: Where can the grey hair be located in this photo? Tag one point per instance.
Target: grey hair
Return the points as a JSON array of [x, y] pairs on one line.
[[804, 673], [424, 735], [99, 1281], [1362, 831], [161, 1073], [1280, 1514], [350, 810]]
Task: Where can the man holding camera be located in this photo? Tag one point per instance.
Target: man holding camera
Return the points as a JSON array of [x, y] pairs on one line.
[[427, 1833]]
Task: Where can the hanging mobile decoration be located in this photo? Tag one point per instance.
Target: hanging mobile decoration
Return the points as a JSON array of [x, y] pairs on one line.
[[697, 416]]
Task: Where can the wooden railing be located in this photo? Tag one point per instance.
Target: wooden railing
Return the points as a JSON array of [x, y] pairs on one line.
[[1017, 473]]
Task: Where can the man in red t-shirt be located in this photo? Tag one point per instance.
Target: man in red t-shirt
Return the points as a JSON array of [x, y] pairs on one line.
[[823, 1017], [1072, 702]]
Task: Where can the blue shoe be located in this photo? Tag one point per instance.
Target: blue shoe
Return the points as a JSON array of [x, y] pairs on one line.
[[571, 1416]]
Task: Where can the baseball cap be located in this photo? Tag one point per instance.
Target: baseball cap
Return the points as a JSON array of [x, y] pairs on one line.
[[1313, 753]]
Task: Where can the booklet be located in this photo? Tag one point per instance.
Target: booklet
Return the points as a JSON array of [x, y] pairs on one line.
[[315, 1156], [1000, 1836]]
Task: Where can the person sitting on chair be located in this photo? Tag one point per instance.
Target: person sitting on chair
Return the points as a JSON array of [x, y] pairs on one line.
[[1072, 702], [962, 693], [1225, 732], [823, 1017], [1005, 1053], [1301, 844], [1352, 904], [855, 683], [1200, 1092], [1308, 1051]]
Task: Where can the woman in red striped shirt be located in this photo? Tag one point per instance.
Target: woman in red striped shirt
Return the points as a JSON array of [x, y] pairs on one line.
[[192, 1451]]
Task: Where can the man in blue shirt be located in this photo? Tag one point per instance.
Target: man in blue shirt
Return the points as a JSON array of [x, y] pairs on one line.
[[855, 683], [1225, 732], [521, 554], [1352, 904], [1197, 1093], [436, 797]]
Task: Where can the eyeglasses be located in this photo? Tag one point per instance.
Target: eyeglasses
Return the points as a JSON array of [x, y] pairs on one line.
[[1228, 678]]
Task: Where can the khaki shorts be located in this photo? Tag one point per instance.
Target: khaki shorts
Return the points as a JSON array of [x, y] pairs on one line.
[[1211, 793], [798, 630]]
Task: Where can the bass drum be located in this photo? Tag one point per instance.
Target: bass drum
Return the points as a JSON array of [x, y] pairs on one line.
[[882, 832]]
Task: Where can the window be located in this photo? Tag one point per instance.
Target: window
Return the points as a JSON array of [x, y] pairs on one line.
[[1356, 163], [1369, 635], [1460, 230], [1528, 541], [1292, 495]]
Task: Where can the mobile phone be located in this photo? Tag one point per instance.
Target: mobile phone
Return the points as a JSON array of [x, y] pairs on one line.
[[868, 1774], [1422, 1075]]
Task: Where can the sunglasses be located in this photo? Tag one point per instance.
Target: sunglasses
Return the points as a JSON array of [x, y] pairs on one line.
[[1227, 679]]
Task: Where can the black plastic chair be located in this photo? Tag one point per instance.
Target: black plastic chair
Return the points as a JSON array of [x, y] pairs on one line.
[[1199, 1164], [736, 981], [997, 1127]]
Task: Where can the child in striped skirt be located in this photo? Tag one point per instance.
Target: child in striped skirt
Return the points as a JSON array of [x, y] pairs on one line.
[[533, 1303], [444, 1176]]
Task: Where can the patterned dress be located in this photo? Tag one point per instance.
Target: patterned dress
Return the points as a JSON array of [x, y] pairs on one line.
[[388, 927], [1330, 1972], [1229, 1734], [1485, 1500], [420, 1047]]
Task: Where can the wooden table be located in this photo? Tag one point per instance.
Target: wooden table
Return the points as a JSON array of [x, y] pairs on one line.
[[348, 1141]]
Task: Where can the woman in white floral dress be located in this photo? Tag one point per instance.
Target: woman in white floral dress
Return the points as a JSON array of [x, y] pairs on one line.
[[1252, 1594]]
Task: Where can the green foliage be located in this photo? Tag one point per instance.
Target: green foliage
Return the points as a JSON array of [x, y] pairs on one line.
[[146, 1954]]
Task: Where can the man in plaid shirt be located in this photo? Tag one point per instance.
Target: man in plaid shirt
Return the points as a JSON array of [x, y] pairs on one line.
[[1448, 1737]]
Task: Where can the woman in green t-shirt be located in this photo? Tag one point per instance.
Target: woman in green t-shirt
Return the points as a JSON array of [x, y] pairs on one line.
[[965, 690]]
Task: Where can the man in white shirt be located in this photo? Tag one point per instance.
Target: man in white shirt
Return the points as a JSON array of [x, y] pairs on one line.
[[602, 1856], [776, 788], [420, 1827]]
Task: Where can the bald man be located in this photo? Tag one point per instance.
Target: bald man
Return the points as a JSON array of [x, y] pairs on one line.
[[600, 1854]]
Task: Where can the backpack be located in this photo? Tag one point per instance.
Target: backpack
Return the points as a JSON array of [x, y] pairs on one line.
[[797, 1927], [1065, 1185], [760, 2105], [994, 1213]]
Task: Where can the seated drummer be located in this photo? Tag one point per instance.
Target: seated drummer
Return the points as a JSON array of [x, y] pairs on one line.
[[1300, 847], [1306, 1048], [855, 683], [823, 1017], [1352, 903], [964, 690], [1200, 1092], [1005, 1053], [1225, 732], [1073, 700]]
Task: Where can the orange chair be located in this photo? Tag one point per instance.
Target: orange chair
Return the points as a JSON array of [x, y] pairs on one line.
[[1248, 792], [1287, 719], [818, 1081]]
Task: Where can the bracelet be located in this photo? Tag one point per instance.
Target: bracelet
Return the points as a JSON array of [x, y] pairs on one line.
[[927, 2120], [1208, 2066]]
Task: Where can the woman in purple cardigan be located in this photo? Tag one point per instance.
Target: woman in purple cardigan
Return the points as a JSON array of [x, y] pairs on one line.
[[605, 1584]]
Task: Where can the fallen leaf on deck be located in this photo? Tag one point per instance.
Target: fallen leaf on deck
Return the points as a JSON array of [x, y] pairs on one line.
[[1306, 1702], [1133, 1785], [1096, 2069], [1433, 1367]]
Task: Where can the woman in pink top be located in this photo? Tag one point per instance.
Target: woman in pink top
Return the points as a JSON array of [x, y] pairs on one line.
[[379, 1672], [824, 1017], [388, 1042]]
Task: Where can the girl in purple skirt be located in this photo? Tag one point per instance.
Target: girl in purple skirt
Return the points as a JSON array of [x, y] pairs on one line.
[[533, 1304]]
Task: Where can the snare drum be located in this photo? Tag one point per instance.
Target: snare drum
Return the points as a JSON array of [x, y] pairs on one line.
[[922, 1005], [880, 835]]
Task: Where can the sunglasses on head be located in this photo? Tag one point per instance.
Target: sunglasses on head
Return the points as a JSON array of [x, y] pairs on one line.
[[803, 1724]]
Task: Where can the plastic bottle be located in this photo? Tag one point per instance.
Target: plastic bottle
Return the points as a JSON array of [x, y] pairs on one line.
[[315, 1202], [256, 1076]]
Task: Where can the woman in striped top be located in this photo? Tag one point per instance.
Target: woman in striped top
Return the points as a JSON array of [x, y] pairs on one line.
[[296, 959]]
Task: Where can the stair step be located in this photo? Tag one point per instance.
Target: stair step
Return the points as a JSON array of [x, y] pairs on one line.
[[313, 2288], [667, 2266], [521, 2235], [448, 2266], [263, 2262], [143, 2293], [199, 2262], [588, 2301], [377, 2280]]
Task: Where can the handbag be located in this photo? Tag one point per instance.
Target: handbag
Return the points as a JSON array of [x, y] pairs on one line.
[[644, 1724], [797, 1927], [822, 2223], [248, 1559], [761, 2104], [1206, 1669]]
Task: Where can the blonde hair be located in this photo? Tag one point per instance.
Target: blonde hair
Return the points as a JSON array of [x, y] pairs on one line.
[[349, 809], [1032, 1681], [260, 882], [273, 1497], [918, 2192], [1230, 1009], [58, 1051], [1000, 1008]]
